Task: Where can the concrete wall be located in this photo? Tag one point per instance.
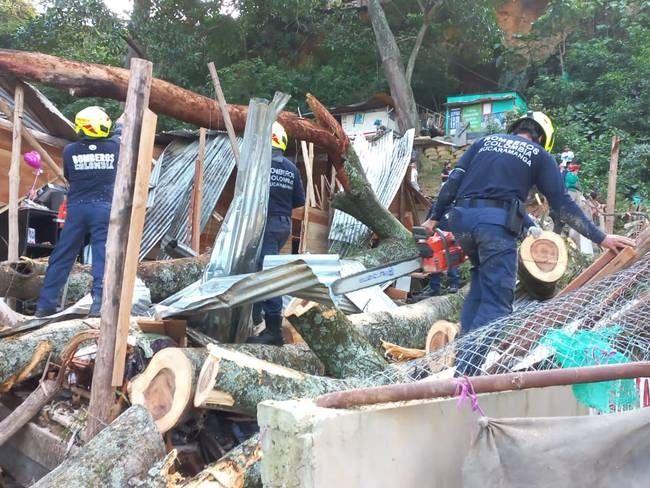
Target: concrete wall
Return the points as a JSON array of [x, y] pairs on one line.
[[415, 444]]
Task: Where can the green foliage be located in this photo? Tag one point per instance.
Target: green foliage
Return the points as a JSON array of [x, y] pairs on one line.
[[13, 15], [604, 90]]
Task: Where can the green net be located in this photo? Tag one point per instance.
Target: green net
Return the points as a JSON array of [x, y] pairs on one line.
[[591, 348]]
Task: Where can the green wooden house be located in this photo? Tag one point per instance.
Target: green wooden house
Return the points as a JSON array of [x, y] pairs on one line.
[[480, 111]]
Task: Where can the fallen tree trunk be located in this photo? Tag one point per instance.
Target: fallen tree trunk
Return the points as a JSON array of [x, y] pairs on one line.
[[239, 468], [124, 450], [236, 382], [22, 414], [24, 279], [344, 351], [408, 325], [168, 385], [96, 80], [23, 356]]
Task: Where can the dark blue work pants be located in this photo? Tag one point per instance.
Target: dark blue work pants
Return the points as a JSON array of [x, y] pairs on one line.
[[493, 253], [453, 274], [82, 218], [276, 233]]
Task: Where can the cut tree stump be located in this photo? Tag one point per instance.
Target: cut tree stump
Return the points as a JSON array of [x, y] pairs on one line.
[[239, 468], [168, 384], [236, 382], [542, 262], [408, 325], [124, 450]]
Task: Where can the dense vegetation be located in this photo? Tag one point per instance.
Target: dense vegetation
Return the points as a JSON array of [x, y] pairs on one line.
[[595, 84]]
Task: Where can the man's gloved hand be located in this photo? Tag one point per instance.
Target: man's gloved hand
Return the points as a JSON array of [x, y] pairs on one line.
[[534, 231]]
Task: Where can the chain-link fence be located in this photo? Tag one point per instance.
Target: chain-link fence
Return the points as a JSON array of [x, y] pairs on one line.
[[605, 322]]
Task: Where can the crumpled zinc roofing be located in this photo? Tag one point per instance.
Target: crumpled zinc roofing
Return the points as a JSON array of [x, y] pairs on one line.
[[385, 162], [171, 187]]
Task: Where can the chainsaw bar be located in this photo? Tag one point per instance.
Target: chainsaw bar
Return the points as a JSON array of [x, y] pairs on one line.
[[375, 276]]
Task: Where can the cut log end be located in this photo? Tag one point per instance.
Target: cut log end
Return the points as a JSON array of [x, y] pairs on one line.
[[164, 388], [542, 262]]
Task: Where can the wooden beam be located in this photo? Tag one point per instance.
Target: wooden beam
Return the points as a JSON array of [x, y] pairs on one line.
[[611, 185], [14, 173], [33, 142], [197, 194], [136, 227], [102, 395], [224, 110]]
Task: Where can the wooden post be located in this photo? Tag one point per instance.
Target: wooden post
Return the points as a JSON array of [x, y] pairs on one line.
[[31, 140], [14, 174], [145, 155], [224, 111], [611, 186], [309, 196], [102, 395], [197, 195]]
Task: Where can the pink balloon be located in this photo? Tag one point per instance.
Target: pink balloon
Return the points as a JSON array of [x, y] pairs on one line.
[[33, 159]]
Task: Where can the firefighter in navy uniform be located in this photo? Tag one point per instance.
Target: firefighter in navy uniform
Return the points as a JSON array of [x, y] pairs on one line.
[[285, 193], [483, 201], [90, 166]]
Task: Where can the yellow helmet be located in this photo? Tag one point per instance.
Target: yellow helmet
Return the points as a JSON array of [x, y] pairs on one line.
[[93, 122], [279, 136], [544, 123]]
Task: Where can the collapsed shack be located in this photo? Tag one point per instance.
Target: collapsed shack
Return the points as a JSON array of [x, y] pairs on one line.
[[200, 396]]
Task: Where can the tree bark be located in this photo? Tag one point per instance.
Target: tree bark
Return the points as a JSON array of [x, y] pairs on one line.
[[124, 450], [236, 382], [23, 356], [168, 384], [340, 346], [11, 424], [408, 325], [391, 60], [427, 12], [24, 279], [239, 468], [95, 80]]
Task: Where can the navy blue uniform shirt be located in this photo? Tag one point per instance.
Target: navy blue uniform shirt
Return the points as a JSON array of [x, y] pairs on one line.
[[505, 166], [90, 166], [286, 191]]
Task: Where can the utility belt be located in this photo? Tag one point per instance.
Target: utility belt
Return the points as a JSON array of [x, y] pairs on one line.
[[514, 208]]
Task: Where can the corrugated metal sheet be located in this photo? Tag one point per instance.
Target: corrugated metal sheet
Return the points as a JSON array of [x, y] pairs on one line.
[[385, 162], [237, 247], [171, 187], [29, 118]]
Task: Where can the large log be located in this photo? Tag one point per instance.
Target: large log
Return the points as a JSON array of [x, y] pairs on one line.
[[238, 468], [95, 80], [542, 262], [122, 452], [408, 325], [24, 279], [168, 384], [23, 356], [236, 382], [344, 351]]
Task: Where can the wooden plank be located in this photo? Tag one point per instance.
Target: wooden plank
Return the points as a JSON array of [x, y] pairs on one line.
[[136, 228], [308, 159], [102, 394], [622, 260], [396, 294], [224, 112], [14, 173], [41, 137], [35, 144], [588, 274], [197, 193], [611, 185]]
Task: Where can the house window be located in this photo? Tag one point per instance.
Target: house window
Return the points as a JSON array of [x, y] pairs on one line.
[[487, 108], [358, 118], [454, 118]]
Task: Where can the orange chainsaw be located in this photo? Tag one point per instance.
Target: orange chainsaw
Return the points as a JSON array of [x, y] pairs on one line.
[[437, 253]]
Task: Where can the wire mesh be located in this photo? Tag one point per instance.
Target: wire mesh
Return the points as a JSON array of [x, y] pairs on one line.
[[605, 322]]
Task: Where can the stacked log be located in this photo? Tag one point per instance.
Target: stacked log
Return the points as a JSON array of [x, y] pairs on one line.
[[443, 154]]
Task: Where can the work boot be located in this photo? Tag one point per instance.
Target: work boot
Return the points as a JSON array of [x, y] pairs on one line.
[[271, 335], [44, 312], [95, 309]]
